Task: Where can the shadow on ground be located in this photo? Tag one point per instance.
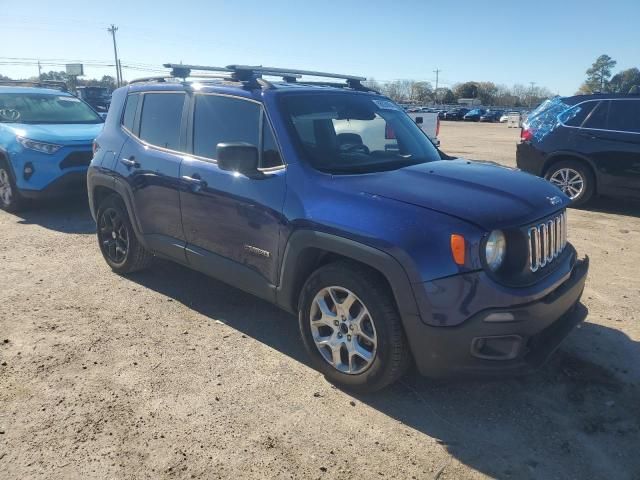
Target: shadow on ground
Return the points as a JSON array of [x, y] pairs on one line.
[[66, 215], [618, 206], [571, 418]]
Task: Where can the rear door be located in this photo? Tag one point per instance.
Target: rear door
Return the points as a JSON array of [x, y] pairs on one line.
[[232, 221], [613, 131], [150, 164]]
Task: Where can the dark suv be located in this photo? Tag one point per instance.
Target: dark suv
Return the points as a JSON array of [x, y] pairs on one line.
[[326, 199], [586, 145]]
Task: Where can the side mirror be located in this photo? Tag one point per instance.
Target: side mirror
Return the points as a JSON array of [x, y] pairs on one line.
[[419, 120], [238, 157]]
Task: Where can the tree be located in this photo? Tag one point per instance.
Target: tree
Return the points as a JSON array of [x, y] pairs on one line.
[[466, 90], [370, 83], [445, 95], [623, 81], [599, 74], [421, 92]]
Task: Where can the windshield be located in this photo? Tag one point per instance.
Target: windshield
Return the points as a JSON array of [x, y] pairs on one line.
[[353, 133], [45, 108]]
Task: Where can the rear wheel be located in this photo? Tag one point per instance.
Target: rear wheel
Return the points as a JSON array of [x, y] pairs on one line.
[[574, 179], [118, 243], [351, 328], [10, 198]]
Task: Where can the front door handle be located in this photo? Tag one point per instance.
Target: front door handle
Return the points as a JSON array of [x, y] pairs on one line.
[[129, 162], [195, 182]]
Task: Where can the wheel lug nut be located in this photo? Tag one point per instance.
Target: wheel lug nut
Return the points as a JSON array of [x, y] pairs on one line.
[[351, 327], [349, 337], [336, 323], [339, 335]]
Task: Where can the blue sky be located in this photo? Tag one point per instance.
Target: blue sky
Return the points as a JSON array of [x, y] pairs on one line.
[[551, 43]]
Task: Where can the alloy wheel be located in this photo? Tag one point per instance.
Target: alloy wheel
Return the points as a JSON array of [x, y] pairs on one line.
[[6, 192], [343, 330], [569, 181], [114, 236]]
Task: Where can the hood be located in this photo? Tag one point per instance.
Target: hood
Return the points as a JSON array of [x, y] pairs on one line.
[[485, 194], [57, 133]]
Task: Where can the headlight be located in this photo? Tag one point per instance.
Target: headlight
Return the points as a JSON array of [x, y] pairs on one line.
[[495, 249], [41, 147]]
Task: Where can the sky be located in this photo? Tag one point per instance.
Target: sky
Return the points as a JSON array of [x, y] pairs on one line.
[[550, 43]]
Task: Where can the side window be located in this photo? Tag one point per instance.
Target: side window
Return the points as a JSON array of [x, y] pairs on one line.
[[270, 152], [598, 117], [624, 116], [130, 111], [576, 115], [219, 119], [160, 119]]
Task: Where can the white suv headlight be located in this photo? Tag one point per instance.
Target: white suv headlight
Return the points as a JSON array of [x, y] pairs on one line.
[[41, 147], [495, 249]]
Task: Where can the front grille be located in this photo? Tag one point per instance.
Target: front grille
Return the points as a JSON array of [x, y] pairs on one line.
[[76, 159], [546, 241]]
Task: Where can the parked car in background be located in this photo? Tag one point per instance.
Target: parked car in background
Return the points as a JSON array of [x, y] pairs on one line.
[[491, 116], [98, 97], [585, 145], [504, 117], [387, 253], [45, 143], [456, 114], [473, 115]]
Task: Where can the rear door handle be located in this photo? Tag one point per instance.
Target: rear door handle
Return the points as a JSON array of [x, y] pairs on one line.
[[129, 162]]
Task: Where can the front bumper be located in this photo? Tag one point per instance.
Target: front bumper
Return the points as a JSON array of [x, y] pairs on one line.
[[67, 184], [478, 347]]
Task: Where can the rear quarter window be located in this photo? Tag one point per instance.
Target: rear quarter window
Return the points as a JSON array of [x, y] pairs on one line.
[[130, 109], [161, 119], [624, 116]]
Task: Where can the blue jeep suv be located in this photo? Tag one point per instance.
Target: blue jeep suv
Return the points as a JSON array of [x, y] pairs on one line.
[[326, 199], [45, 143]]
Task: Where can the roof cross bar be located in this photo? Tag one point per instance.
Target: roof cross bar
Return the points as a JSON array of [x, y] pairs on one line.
[[289, 72]]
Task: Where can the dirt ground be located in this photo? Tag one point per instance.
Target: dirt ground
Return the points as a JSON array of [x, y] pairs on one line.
[[169, 374]]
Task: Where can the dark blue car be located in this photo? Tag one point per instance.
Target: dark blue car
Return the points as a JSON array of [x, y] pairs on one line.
[[327, 200], [45, 144]]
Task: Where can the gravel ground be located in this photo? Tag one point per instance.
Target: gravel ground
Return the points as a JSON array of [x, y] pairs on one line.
[[169, 374]]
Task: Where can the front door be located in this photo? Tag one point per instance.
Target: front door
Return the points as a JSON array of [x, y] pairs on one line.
[[232, 222]]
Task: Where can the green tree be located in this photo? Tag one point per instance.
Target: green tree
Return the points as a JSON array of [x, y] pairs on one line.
[[623, 81], [421, 92], [599, 73], [466, 90]]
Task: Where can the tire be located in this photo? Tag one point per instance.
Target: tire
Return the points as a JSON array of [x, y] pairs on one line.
[[117, 240], [10, 198], [565, 173], [389, 356]]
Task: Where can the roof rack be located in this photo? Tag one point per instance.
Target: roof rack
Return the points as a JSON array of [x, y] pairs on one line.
[[253, 73], [55, 84]]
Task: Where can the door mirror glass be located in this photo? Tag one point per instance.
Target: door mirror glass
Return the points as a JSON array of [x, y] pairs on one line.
[[238, 157]]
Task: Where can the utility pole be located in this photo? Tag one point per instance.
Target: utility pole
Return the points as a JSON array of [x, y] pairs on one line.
[[112, 30], [120, 70], [39, 71], [437, 72], [531, 92]]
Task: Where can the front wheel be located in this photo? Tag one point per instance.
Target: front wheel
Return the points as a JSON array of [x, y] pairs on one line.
[[10, 198], [351, 328], [574, 179]]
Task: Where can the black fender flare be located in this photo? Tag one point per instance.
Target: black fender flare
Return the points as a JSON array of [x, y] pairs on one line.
[[293, 260], [96, 178]]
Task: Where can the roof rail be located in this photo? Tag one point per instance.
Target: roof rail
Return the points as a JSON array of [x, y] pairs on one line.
[[251, 73], [55, 84]]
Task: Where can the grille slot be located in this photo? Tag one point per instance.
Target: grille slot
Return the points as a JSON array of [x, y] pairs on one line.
[[546, 241], [76, 159]]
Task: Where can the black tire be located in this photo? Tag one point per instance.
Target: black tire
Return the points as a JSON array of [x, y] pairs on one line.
[[589, 182], [13, 202], [117, 240], [392, 355]]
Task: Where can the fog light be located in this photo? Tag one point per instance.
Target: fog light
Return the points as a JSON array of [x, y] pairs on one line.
[[28, 171], [506, 347]]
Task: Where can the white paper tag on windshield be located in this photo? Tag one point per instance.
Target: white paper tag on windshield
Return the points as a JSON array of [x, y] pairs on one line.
[[385, 104], [68, 99]]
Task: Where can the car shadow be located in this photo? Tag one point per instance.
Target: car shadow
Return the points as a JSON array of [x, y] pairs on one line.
[[65, 215], [571, 416], [619, 206]]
